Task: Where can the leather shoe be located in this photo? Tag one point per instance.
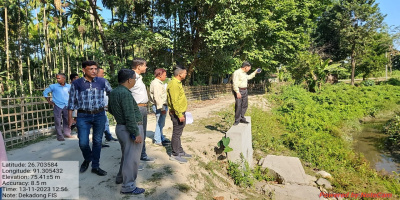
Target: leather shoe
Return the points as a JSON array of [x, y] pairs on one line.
[[244, 121], [60, 139], [112, 139], [104, 145], [167, 141], [84, 166], [99, 171], [147, 159], [236, 123]]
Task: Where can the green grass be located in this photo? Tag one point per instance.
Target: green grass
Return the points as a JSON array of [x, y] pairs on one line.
[[183, 187], [310, 126], [316, 127], [150, 191]]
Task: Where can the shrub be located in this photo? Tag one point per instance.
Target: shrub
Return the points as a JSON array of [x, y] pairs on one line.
[[312, 124], [392, 128], [368, 83]]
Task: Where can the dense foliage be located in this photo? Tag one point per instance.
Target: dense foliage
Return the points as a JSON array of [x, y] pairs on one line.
[[392, 128], [210, 37], [310, 126]]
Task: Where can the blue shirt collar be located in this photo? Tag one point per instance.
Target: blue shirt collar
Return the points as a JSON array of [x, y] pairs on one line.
[[85, 80]]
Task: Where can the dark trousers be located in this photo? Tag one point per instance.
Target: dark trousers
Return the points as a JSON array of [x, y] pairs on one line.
[[241, 105], [61, 115], [176, 135], [143, 111]]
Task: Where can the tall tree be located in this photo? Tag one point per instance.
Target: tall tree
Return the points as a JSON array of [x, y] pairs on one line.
[[347, 27], [102, 35]]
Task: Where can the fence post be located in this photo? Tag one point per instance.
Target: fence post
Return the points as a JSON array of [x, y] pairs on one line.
[[23, 118]]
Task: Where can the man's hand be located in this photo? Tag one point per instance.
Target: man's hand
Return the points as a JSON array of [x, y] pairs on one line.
[[238, 95], [182, 119], [258, 70], [163, 112], [138, 139], [70, 120], [51, 103]]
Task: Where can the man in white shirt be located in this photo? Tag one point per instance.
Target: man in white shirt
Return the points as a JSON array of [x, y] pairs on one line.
[[240, 78], [107, 132], [139, 93]]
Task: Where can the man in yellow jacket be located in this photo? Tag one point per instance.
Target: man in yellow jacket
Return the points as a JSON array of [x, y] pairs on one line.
[[177, 104]]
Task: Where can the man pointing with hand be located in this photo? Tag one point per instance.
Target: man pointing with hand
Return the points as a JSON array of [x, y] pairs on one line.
[[240, 78]]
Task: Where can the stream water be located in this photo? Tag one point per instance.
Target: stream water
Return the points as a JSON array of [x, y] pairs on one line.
[[370, 142]]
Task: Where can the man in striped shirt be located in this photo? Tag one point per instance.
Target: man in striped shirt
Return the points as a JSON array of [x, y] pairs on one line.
[[87, 96]]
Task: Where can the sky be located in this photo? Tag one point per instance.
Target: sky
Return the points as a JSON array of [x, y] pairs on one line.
[[392, 10]]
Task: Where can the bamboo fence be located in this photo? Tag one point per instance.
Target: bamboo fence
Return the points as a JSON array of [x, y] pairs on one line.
[[23, 119]]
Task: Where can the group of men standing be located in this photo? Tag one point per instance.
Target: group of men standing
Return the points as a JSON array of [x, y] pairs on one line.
[[91, 96], [128, 104]]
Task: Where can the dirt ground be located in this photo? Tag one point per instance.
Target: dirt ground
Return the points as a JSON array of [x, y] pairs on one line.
[[202, 177]]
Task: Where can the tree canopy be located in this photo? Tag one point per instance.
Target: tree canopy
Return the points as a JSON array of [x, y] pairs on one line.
[[210, 37]]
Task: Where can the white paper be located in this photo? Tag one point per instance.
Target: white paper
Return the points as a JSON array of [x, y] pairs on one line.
[[189, 117]]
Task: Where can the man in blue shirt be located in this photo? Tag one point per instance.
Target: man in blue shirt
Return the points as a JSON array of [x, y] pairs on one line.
[[87, 96], [60, 94]]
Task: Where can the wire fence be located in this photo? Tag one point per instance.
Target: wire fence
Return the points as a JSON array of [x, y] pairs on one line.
[[23, 119]]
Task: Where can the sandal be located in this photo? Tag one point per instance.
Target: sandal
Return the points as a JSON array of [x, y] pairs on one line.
[[137, 190]]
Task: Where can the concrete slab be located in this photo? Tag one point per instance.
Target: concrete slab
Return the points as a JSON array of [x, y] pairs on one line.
[[292, 192], [287, 170], [241, 142]]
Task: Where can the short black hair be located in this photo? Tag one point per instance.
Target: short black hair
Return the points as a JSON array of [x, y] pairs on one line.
[[88, 63], [124, 75], [72, 76], [61, 74], [138, 61], [245, 64]]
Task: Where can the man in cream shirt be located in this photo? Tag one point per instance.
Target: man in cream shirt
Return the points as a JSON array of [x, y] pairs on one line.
[[240, 78], [158, 97]]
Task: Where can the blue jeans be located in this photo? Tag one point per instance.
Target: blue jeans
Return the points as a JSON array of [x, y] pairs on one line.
[[84, 122], [160, 119]]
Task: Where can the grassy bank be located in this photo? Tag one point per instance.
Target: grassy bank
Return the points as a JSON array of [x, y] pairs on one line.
[[310, 126]]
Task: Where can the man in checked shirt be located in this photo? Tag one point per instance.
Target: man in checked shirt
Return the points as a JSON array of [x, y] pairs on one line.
[[87, 96]]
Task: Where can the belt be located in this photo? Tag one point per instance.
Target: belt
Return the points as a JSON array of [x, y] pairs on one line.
[[173, 112], [142, 104], [138, 123], [91, 111], [243, 88]]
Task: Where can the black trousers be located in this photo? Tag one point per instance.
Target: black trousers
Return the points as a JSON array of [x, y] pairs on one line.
[[241, 105], [177, 129]]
